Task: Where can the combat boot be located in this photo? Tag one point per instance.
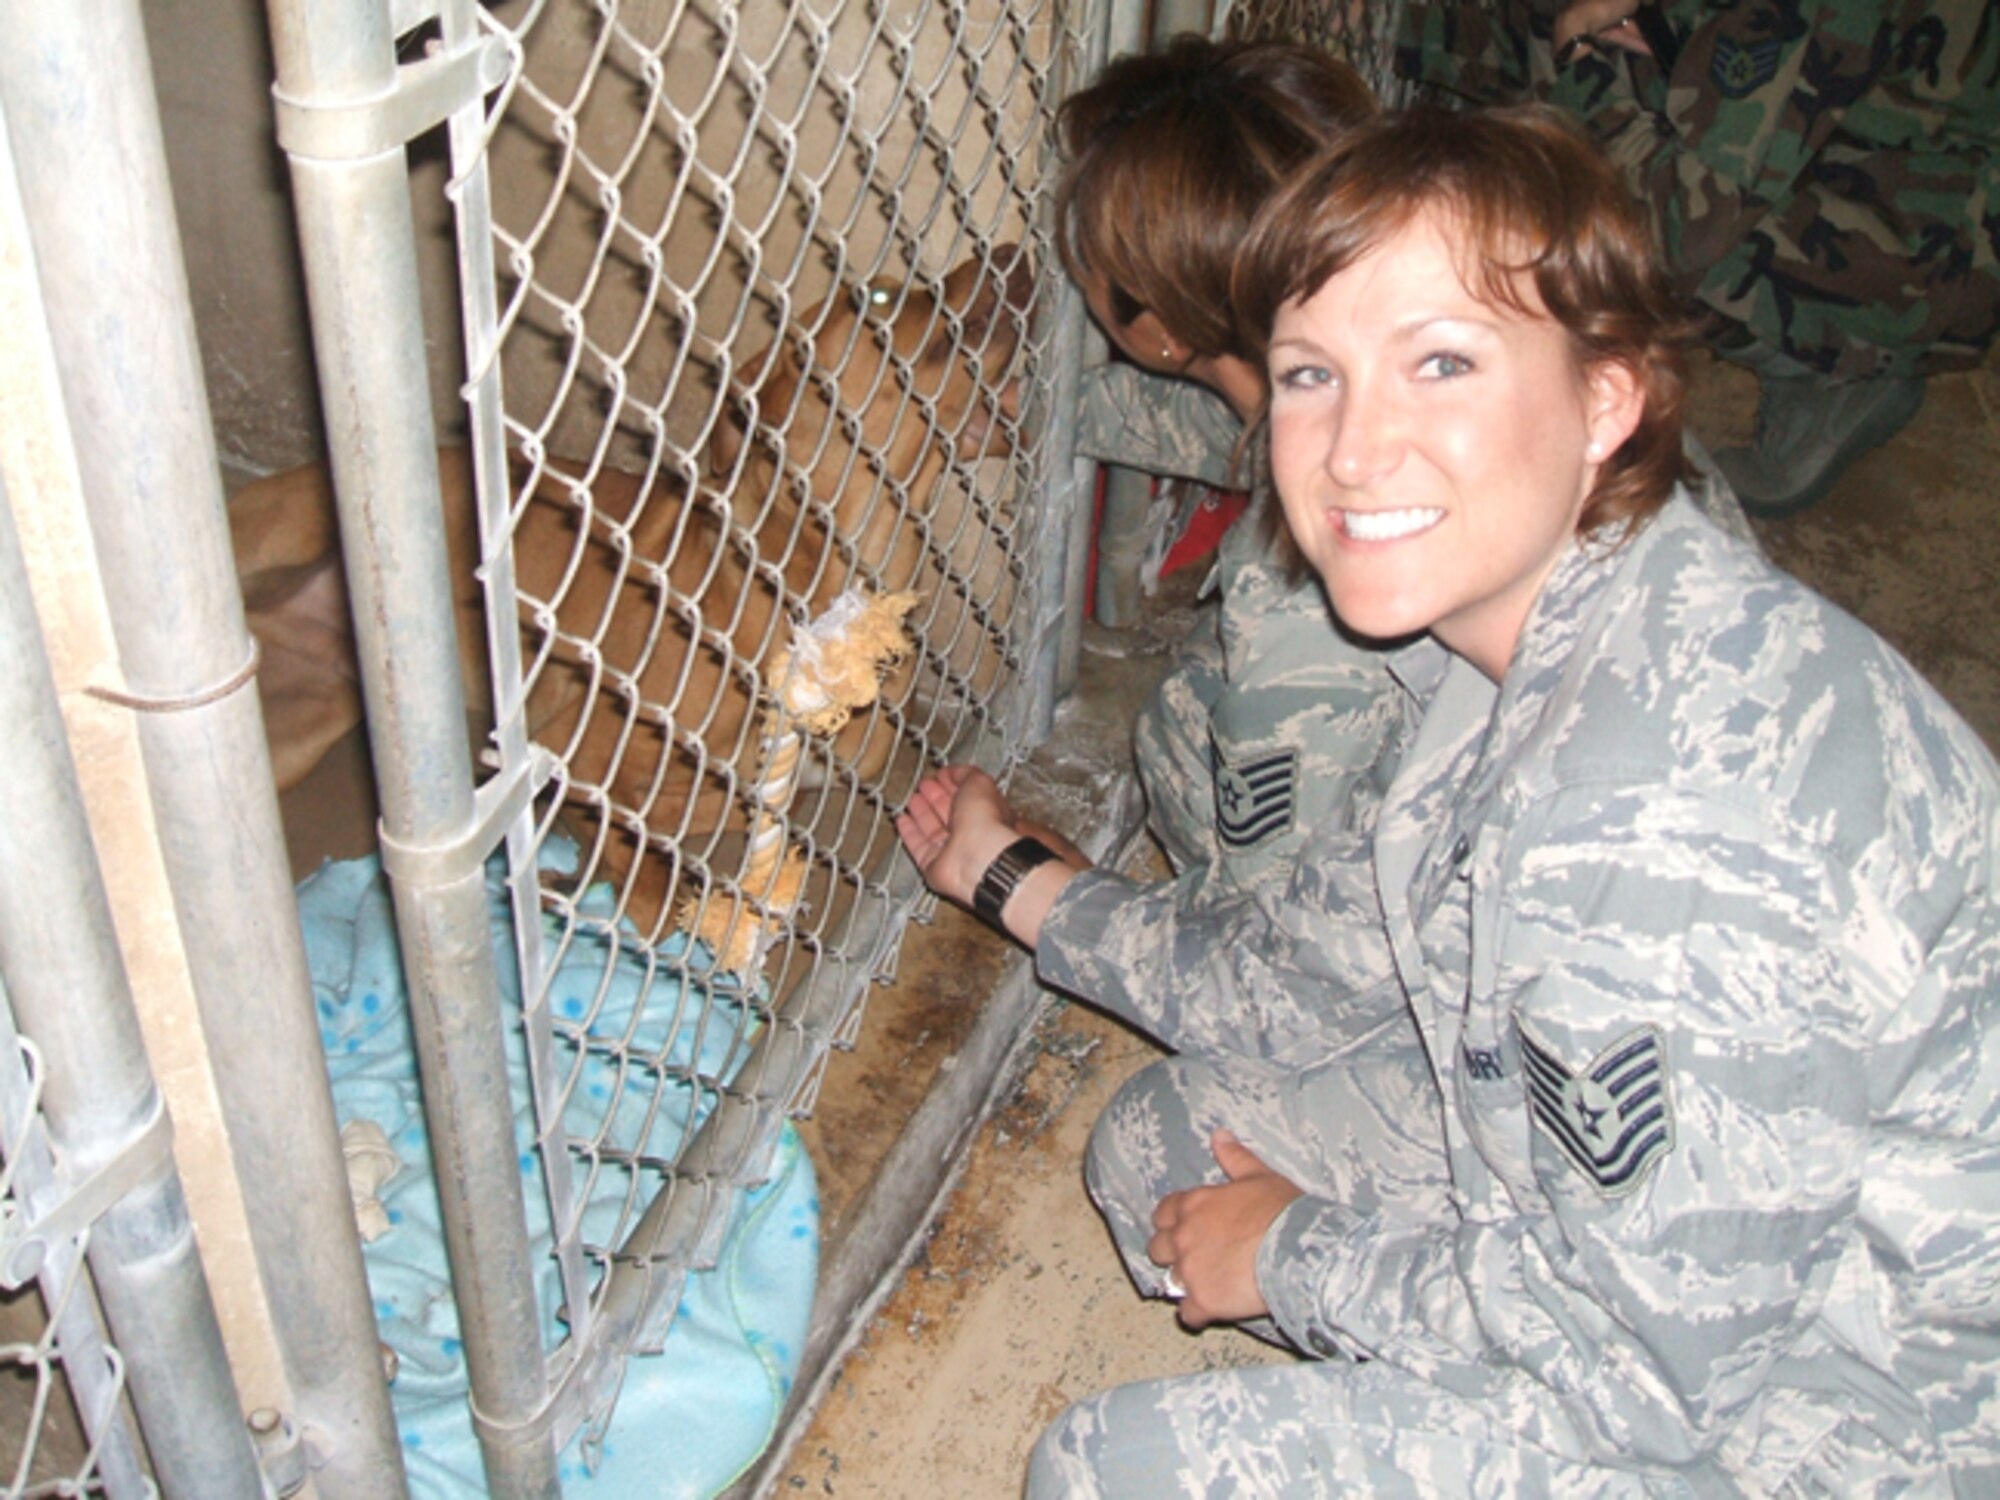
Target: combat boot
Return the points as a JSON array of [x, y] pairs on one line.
[[1809, 429]]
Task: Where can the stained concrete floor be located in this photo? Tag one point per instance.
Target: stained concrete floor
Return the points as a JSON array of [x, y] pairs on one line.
[[1014, 1305]]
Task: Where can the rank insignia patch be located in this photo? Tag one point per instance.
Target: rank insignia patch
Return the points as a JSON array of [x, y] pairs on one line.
[[1254, 798], [1739, 69], [1613, 1118]]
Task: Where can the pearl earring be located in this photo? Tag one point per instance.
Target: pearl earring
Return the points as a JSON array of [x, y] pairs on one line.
[[1594, 451], [1167, 352]]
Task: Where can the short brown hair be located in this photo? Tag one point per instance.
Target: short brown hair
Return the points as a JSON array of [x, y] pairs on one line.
[[1533, 197], [1168, 157]]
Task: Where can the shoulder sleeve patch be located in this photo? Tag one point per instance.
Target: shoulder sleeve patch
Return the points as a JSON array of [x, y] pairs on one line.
[[1254, 798], [1740, 69]]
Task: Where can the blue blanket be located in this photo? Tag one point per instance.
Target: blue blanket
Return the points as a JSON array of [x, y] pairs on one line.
[[690, 1420]]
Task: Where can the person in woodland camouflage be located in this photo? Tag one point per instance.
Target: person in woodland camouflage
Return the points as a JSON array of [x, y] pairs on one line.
[[1691, 886], [1823, 174]]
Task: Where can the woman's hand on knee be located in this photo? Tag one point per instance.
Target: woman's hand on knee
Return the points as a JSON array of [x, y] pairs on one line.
[[1207, 1237]]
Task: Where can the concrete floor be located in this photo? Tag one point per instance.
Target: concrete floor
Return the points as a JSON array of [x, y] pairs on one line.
[[1014, 1304]]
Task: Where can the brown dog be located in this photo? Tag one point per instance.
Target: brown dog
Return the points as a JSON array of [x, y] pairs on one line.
[[650, 609]]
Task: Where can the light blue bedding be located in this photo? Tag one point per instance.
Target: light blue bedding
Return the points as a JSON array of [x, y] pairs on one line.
[[689, 1420]]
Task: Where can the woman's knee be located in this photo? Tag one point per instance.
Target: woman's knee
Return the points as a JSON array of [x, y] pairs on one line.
[[1123, 1441], [1149, 1134], [1112, 1159], [1053, 1470]]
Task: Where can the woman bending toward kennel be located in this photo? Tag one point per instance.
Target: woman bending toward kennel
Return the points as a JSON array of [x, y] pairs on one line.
[[1273, 727], [1269, 722], [1689, 884]]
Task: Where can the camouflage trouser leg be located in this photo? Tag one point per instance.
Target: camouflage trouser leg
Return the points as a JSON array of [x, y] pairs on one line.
[[1362, 1129], [1318, 1429], [1171, 745]]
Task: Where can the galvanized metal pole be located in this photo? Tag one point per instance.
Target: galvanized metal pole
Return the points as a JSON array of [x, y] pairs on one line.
[[345, 111], [67, 986], [77, 88], [1067, 514]]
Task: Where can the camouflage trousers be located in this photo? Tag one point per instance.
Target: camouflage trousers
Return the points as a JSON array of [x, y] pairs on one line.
[[1307, 1430], [1362, 1127]]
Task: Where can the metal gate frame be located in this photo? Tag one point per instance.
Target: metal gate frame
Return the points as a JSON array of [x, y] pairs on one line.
[[123, 379], [346, 108], [76, 97]]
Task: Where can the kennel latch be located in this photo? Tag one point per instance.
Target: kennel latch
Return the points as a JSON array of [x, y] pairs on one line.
[[426, 93]]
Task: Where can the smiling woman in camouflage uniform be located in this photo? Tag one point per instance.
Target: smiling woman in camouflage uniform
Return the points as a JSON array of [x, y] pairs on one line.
[[1688, 883]]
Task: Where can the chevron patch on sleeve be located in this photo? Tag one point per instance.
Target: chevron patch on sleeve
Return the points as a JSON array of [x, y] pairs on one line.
[[1613, 1118], [1254, 798]]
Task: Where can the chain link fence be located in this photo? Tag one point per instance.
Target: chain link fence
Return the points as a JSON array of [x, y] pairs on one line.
[[65, 1427], [763, 380], [1361, 31]]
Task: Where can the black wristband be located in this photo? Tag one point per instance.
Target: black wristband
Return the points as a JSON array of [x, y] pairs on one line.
[[1009, 868]]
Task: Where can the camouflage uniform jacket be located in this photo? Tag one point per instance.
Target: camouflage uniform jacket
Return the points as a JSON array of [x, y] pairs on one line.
[[1698, 917], [1823, 174], [1276, 723]]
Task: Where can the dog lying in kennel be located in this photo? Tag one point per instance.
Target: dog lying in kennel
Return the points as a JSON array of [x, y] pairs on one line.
[[651, 607]]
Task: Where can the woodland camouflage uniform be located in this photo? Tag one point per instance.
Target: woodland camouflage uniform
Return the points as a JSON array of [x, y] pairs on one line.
[[1824, 175]]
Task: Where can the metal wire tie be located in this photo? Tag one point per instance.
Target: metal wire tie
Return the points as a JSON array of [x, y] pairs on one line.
[[149, 703], [495, 805], [25, 1245], [425, 94]]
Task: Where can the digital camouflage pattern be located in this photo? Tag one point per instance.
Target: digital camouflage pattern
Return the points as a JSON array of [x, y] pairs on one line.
[[1271, 722], [1824, 175], [1698, 920]]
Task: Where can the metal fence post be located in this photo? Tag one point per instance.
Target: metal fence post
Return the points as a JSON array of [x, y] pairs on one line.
[[1068, 515], [67, 987], [345, 111], [76, 84]]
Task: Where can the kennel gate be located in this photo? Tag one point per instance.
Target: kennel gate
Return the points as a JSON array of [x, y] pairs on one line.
[[643, 209], [936, 147]]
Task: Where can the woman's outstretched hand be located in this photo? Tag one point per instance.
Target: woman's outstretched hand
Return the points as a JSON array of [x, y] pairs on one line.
[[1207, 1237], [954, 825], [957, 822]]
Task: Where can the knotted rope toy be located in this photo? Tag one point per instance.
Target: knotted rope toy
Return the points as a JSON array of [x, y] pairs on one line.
[[834, 666]]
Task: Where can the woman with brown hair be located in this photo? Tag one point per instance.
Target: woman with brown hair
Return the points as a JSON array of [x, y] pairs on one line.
[[1167, 157], [1691, 888]]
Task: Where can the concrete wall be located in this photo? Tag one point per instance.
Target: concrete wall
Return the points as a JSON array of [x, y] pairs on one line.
[[212, 70]]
